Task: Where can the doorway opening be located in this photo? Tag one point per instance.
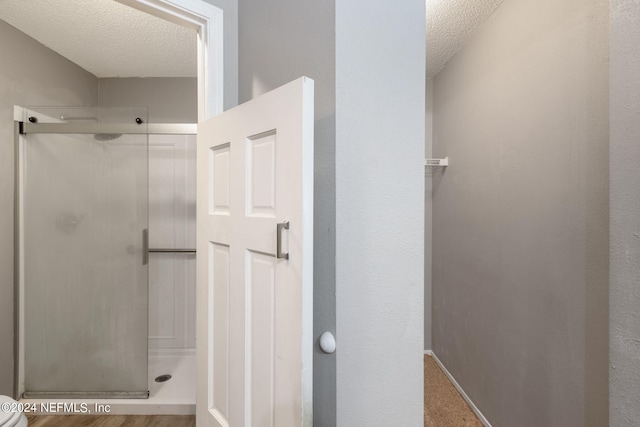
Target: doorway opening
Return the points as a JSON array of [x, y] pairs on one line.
[[206, 20]]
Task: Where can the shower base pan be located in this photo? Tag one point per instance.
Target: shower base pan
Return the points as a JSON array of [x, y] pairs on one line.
[[86, 395], [174, 397]]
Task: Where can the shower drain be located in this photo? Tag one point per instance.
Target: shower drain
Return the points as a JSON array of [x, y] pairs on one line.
[[163, 378]]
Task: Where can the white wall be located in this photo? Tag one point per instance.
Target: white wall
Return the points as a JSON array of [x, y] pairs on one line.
[[380, 131], [624, 328], [30, 75]]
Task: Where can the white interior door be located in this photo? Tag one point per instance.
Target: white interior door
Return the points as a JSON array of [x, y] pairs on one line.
[[254, 309]]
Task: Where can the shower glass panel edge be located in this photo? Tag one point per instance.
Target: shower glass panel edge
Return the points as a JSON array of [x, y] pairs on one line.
[[83, 209]]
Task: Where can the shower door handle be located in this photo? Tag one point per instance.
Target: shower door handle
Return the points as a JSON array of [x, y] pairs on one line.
[[145, 246], [281, 226]]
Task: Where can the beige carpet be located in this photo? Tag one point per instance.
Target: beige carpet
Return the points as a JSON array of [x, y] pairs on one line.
[[443, 405]]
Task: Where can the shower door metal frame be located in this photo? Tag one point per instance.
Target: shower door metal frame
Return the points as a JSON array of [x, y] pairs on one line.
[[18, 256], [26, 128], [21, 129]]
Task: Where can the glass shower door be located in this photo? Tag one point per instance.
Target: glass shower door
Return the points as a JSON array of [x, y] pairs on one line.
[[85, 273]]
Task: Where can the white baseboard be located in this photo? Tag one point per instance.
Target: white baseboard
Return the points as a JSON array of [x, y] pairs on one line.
[[464, 395]]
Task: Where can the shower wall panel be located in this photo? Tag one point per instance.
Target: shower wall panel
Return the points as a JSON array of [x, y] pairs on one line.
[[172, 215]]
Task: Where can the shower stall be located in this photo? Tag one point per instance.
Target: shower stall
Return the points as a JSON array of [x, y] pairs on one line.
[[91, 291]]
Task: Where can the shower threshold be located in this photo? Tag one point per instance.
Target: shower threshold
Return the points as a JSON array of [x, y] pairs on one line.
[[86, 395], [175, 397]]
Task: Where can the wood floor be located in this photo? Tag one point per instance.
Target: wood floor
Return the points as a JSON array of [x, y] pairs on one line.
[[111, 420], [443, 405]]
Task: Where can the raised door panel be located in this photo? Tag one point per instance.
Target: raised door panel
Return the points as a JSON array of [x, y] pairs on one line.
[[260, 321], [261, 170], [219, 266]]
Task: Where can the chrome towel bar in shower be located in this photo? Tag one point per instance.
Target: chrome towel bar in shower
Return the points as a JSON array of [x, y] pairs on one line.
[[172, 250]]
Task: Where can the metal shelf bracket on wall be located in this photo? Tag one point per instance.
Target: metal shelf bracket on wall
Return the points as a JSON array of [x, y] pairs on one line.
[[437, 162], [431, 165]]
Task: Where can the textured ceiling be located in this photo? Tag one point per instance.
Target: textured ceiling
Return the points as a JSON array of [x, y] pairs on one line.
[[109, 39], [105, 37], [450, 24]]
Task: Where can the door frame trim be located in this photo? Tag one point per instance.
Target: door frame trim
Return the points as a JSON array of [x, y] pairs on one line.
[[216, 24]]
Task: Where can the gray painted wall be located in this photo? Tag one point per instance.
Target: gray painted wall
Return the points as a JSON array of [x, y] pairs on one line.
[[279, 41], [624, 275], [380, 130], [520, 218], [30, 75], [169, 100], [428, 212]]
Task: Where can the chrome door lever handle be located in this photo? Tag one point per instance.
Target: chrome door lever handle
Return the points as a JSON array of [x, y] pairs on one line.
[[281, 226]]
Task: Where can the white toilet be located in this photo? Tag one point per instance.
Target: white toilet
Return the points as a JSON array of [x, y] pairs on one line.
[[11, 419]]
